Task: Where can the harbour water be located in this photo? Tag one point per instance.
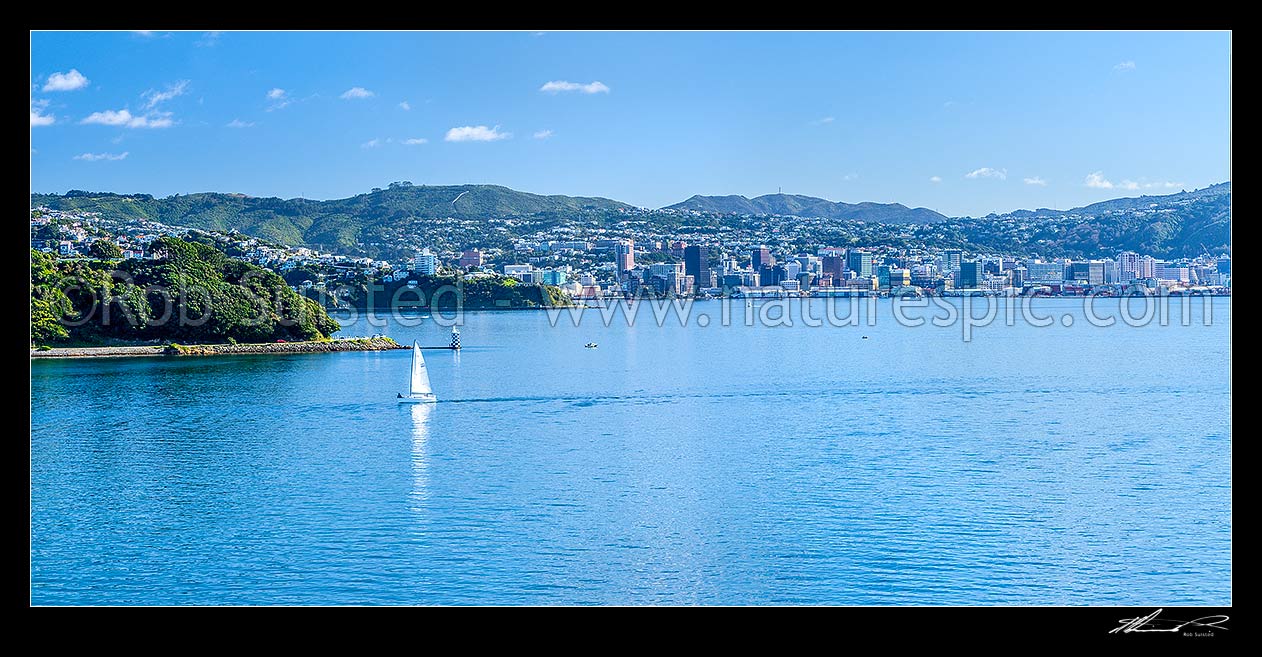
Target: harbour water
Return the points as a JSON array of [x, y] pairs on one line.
[[1058, 465]]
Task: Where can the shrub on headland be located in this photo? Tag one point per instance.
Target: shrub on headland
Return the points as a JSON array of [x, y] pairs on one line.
[[189, 292]]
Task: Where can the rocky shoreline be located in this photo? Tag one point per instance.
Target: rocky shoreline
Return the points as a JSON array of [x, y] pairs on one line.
[[347, 344]]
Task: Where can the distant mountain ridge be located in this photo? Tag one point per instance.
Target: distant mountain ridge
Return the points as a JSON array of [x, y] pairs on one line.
[[810, 206], [340, 222], [1128, 203], [393, 222]]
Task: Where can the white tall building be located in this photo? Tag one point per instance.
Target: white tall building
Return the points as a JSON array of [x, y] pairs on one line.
[[426, 263], [1128, 266]]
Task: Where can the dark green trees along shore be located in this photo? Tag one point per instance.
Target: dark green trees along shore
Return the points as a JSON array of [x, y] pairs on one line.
[[189, 293]]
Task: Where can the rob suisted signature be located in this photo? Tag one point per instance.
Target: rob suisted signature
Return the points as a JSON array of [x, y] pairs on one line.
[[1151, 623]]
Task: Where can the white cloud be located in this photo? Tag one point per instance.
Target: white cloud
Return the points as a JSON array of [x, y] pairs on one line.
[[144, 33], [405, 105], [238, 123], [557, 86], [987, 172], [208, 39], [1036, 181], [355, 93], [543, 134], [476, 133], [371, 143], [415, 141], [102, 157], [826, 119], [68, 81], [1125, 66], [850, 176], [935, 179], [126, 119], [1098, 181], [38, 117], [152, 98], [279, 97]]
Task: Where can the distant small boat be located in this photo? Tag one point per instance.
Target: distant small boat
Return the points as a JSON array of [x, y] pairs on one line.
[[591, 345], [419, 391], [865, 337]]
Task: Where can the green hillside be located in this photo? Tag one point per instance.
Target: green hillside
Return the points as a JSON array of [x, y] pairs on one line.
[[334, 224]]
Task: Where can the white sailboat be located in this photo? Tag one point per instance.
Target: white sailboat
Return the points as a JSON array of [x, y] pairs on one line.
[[419, 391]]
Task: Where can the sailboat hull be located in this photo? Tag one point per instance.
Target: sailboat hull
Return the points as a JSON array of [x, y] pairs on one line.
[[418, 399]]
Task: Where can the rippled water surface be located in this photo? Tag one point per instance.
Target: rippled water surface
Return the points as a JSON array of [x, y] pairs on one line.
[[689, 465]]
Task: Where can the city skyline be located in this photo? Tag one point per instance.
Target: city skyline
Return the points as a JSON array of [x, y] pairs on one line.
[[977, 123]]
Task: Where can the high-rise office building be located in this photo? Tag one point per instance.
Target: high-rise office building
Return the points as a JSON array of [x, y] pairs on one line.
[[761, 257], [883, 277], [952, 259], [833, 265], [697, 264], [1128, 266], [772, 275], [624, 255], [970, 274], [1090, 272], [859, 262], [1017, 276]]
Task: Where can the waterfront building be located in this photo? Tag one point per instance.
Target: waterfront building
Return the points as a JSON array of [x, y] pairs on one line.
[[883, 277], [697, 264], [970, 274], [899, 277], [1045, 272]]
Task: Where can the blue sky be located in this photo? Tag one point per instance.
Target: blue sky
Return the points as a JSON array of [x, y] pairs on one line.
[[964, 123]]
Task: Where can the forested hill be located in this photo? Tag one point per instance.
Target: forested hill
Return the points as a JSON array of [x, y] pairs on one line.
[[339, 223], [809, 206], [397, 221]]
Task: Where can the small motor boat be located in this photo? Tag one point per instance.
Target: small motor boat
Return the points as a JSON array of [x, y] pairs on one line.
[[590, 345]]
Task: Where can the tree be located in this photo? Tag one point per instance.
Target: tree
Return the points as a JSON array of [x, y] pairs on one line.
[[105, 250]]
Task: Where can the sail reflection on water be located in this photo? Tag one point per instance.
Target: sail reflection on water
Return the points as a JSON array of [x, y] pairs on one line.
[[420, 417]]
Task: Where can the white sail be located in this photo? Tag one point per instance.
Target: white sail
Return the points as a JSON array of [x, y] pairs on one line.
[[420, 377]]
